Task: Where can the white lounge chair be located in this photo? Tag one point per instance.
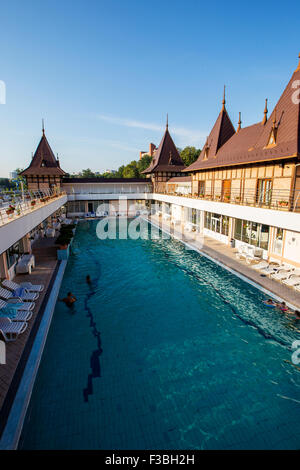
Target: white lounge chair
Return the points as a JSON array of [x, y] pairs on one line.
[[17, 314], [242, 252], [253, 255], [263, 264], [10, 330], [292, 281], [12, 285], [22, 296], [272, 268], [281, 275], [22, 305]]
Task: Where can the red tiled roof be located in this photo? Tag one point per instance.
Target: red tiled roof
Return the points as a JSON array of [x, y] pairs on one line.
[[44, 161], [166, 157], [250, 143], [180, 179]]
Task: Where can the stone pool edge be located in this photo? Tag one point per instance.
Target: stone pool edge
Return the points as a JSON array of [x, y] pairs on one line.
[[12, 431]]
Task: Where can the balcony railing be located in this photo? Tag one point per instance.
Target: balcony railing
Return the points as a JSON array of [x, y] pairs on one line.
[[14, 204], [278, 199]]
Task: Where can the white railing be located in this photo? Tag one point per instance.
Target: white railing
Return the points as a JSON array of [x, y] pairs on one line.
[[14, 204]]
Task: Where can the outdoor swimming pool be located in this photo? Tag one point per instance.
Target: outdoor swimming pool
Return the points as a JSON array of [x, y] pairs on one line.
[[166, 350]]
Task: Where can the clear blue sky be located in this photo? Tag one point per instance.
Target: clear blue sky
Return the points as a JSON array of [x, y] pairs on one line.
[[103, 74]]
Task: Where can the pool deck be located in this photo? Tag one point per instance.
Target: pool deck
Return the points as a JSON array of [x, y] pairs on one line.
[[226, 255], [17, 352]]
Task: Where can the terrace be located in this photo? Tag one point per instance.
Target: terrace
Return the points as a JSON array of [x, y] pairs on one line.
[[276, 199], [16, 204]]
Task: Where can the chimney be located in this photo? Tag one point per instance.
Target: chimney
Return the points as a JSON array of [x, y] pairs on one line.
[[151, 149]]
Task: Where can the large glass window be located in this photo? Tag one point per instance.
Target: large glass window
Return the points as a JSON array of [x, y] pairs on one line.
[[264, 191], [76, 206], [12, 254], [278, 241], [216, 222], [252, 233]]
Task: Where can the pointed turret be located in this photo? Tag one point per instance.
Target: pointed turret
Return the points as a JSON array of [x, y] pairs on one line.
[[222, 131], [284, 120], [166, 157]]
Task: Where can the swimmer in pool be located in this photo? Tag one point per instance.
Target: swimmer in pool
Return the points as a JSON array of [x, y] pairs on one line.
[[88, 279], [283, 308], [270, 302], [69, 300]]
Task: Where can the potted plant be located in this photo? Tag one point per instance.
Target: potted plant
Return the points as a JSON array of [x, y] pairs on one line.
[[32, 203], [63, 241], [10, 210], [283, 203]]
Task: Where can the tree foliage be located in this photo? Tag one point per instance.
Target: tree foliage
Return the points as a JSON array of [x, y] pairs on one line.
[[189, 155]]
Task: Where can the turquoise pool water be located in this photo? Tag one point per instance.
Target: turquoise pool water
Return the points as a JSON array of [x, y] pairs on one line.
[[166, 350]]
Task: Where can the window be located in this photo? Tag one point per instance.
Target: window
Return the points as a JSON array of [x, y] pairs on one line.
[[264, 191], [278, 241], [226, 190], [76, 206], [252, 233], [207, 220], [217, 223], [12, 254], [201, 187]]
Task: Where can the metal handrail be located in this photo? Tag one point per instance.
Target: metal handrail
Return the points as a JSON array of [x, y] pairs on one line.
[[279, 199], [14, 204]]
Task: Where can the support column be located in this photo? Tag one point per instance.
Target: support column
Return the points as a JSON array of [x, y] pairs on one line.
[[3, 266]]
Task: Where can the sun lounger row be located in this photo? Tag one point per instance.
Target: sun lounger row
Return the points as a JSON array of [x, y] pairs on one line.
[[284, 273], [16, 307]]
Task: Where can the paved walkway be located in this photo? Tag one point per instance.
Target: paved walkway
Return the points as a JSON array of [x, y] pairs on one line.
[[46, 262], [226, 255]]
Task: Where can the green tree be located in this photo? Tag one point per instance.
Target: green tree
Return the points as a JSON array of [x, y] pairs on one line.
[[131, 170], [87, 174], [143, 163], [189, 155]]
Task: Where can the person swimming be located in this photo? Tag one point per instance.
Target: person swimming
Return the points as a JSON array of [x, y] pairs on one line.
[[69, 300], [297, 315], [270, 303], [88, 279], [283, 307]]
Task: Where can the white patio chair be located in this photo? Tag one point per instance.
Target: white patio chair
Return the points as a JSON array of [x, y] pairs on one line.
[[263, 264], [292, 281], [22, 296], [281, 275], [12, 285], [7, 310], [11, 330]]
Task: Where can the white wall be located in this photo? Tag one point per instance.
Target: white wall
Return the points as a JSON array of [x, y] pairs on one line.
[[17, 228], [292, 246]]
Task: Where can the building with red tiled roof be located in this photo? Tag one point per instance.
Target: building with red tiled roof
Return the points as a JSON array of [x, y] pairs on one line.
[[44, 170], [166, 162]]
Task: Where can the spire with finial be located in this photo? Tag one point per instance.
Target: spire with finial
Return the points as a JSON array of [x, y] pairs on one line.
[[167, 123], [274, 120], [224, 101], [43, 127], [265, 118], [239, 123], [298, 68]]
